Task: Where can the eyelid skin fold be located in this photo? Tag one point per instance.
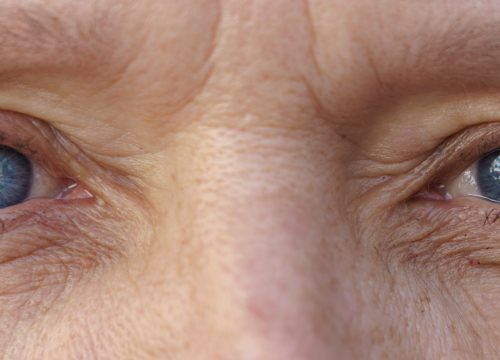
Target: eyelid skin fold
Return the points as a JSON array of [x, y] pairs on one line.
[[53, 175], [48, 244], [34, 139], [450, 159], [435, 236], [62, 159]]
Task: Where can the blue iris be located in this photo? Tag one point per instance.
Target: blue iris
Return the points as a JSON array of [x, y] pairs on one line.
[[16, 177], [488, 176]]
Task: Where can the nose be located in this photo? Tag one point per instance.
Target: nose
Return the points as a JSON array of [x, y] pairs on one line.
[[264, 185], [280, 247], [290, 278]]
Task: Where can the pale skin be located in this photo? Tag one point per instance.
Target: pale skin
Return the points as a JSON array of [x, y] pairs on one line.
[[252, 179]]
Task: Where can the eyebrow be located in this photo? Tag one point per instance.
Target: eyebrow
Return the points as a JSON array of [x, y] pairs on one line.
[[460, 49], [38, 34]]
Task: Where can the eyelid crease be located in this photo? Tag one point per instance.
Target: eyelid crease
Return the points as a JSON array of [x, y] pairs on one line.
[[61, 158], [461, 150], [447, 161], [31, 139], [96, 170]]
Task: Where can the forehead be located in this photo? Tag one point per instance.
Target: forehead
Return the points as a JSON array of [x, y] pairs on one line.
[[92, 33], [408, 30], [81, 46], [359, 46], [42, 32], [399, 46]]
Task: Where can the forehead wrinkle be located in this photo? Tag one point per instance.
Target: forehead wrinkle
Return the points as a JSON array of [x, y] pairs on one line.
[[465, 45], [374, 53], [424, 62], [32, 30], [38, 32], [456, 47]]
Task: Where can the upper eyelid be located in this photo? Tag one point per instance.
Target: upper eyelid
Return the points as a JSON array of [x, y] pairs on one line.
[[33, 138], [461, 150], [60, 157], [116, 177], [83, 166], [448, 160], [41, 143]]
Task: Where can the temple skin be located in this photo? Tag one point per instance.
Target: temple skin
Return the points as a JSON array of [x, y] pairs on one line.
[[255, 164]]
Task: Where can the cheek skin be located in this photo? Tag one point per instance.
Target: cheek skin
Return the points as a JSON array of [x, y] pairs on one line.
[[50, 248], [450, 256], [458, 237]]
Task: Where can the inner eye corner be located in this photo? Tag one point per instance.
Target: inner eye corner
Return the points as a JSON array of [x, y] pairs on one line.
[[75, 191], [432, 191], [23, 179]]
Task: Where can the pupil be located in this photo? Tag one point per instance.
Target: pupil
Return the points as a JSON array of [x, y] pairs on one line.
[[488, 176], [16, 176]]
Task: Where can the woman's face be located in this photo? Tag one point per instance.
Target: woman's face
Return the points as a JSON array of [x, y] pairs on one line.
[[252, 179]]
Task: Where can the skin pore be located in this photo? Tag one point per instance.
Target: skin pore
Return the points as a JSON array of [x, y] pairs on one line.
[[256, 177]]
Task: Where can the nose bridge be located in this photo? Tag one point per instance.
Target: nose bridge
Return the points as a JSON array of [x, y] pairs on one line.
[[263, 43], [270, 28], [289, 268], [271, 204], [278, 253], [265, 179]]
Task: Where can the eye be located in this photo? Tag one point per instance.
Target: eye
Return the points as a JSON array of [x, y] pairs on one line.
[[16, 177], [481, 179], [21, 179], [488, 176]]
